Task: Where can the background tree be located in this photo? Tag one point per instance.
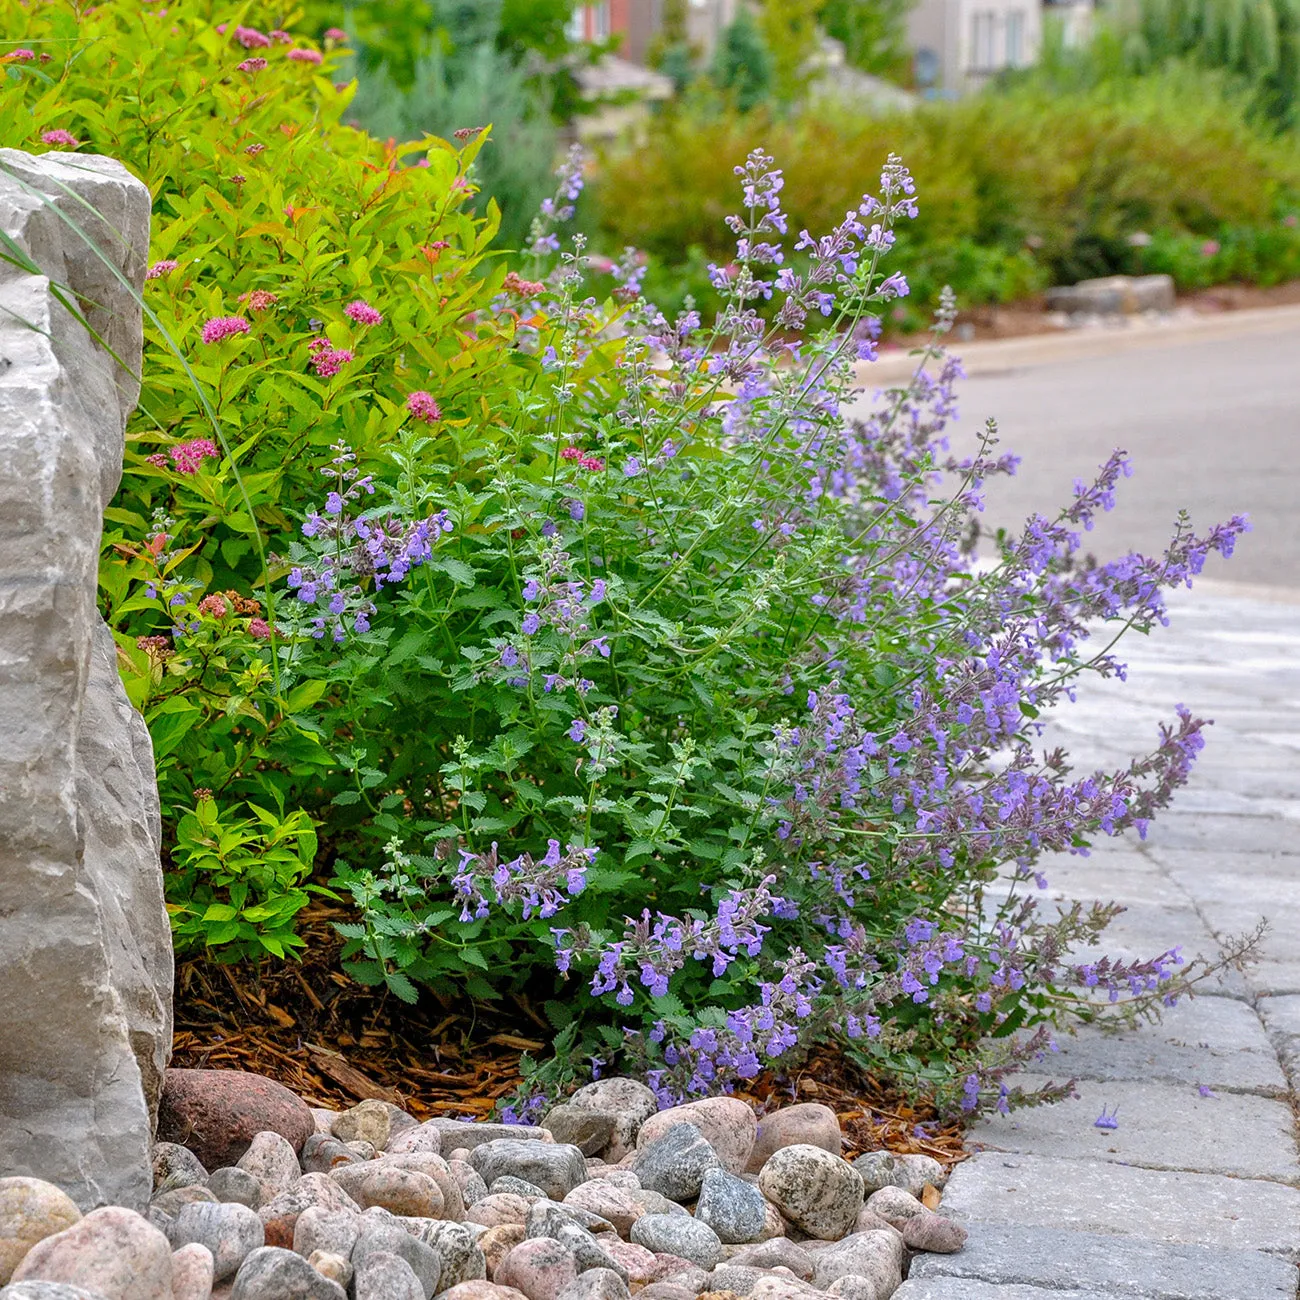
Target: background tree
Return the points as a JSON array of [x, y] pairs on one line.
[[873, 33], [742, 64], [790, 33]]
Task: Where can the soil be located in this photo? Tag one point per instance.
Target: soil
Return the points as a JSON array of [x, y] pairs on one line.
[[333, 1042]]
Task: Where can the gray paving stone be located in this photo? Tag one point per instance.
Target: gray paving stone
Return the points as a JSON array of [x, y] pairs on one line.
[[964, 1288], [1215, 1041], [1281, 1016], [1197, 831], [1161, 1126], [1114, 1266], [1123, 1200]]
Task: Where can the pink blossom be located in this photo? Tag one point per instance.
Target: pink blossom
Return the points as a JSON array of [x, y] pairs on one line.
[[159, 269], [335, 34], [1209, 248], [158, 460], [61, 136], [251, 39], [280, 36], [304, 56], [213, 605], [222, 327], [422, 407], [190, 455], [259, 628], [593, 463], [254, 149], [362, 312], [327, 361], [571, 453], [252, 65], [1291, 220], [22, 56]]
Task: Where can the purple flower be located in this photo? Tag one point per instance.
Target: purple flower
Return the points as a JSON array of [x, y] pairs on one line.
[[577, 731]]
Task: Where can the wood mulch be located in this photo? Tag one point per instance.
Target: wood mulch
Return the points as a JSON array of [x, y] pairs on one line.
[[334, 1043]]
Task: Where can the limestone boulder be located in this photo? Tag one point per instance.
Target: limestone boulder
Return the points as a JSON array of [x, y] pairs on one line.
[[85, 946]]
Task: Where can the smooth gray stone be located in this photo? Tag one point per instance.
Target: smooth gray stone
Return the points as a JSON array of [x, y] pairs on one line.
[[176, 1166], [238, 1186], [514, 1186], [85, 944], [555, 1168], [963, 1288], [271, 1273], [1105, 1198], [47, 1291], [379, 1232], [588, 1130], [596, 1284], [458, 1249], [384, 1276], [1161, 1126], [458, 1134], [673, 1234], [230, 1231], [733, 1208], [675, 1164], [1114, 1266]]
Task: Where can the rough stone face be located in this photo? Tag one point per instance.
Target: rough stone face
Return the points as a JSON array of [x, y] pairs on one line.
[[381, 1276], [235, 1185], [613, 1204], [273, 1162], [113, 1251], [727, 1124], [381, 1233], [368, 1121], [808, 1122], [1114, 295], [175, 1166], [218, 1113], [280, 1216], [629, 1099], [540, 1268], [587, 1129], [778, 1253], [818, 1192], [596, 1284], [878, 1256], [85, 946], [30, 1211]]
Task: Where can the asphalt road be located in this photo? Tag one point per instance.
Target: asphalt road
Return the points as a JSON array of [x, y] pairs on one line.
[[1209, 416]]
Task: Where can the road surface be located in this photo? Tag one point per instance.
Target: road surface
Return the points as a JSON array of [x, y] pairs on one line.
[[1210, 417]]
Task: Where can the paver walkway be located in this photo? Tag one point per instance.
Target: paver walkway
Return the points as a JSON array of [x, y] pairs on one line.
[[1192, 1197]]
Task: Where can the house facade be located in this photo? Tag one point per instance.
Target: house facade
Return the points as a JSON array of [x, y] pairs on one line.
[[635, 23], [959, 44]]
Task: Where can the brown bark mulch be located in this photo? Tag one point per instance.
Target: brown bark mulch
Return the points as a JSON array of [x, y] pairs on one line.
[[334, 1043]]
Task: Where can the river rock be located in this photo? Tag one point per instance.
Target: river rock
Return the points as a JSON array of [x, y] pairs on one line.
[[112, 1250], [472, 1188], [895, 1206], [777, 1253], [273, 1162], [627, 1099], [280, 1216], [382, 1276], [48, 1291], [734, 1209], [727, 1124], [911, 1172], [231, 1232], [333, 1231], [496, 1242], [818, 1192], [334, 1267], [539, 1267], [399, 1191], [672, 1234], [368, 1121], [381, 1233], [274, 1274], [878, 1256], [554, 1167], [176, 1166], [596, 1284], [30, 1211], [636, 1261], [462, 1260], [218, 1113], [417, 1137], [809, 1123], [85, 944], [322, 1152], [509, 1185], [465, 1135], [495, 1210], [587, 1129], [482, 1291], [675, 1164], [193, 1270], [235, 1185], [611, 1203], [934, 1233]]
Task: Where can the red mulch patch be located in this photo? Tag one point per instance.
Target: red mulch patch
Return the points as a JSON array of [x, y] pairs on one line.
[[333, 1042]]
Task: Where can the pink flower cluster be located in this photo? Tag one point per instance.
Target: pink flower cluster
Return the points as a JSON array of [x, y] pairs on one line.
[[422, 406], [159, 269], [593, 463], [60, 136], [222, 327], [21, 56], [259, 628], [335, 34], [325, 360], [214, 605], [190, 455], [362, 312], [304, 56], [252, 65], [251, 39]]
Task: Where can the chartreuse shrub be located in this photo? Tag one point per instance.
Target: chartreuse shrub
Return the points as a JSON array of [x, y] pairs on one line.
[[274, 225], [1031, 186], [608, 659]]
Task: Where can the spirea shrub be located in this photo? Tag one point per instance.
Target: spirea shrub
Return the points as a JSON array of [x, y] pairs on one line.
[[595, 656]]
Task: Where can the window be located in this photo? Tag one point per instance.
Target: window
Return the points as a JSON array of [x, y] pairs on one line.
[[1016, 38], [982, 30], [599, 20], [590, 22], [577, 28]]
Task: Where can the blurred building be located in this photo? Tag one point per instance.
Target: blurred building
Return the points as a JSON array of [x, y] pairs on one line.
[[959, 44], [636, 23]]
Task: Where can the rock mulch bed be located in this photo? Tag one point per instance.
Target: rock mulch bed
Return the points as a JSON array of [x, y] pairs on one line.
[[259, 1197]]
